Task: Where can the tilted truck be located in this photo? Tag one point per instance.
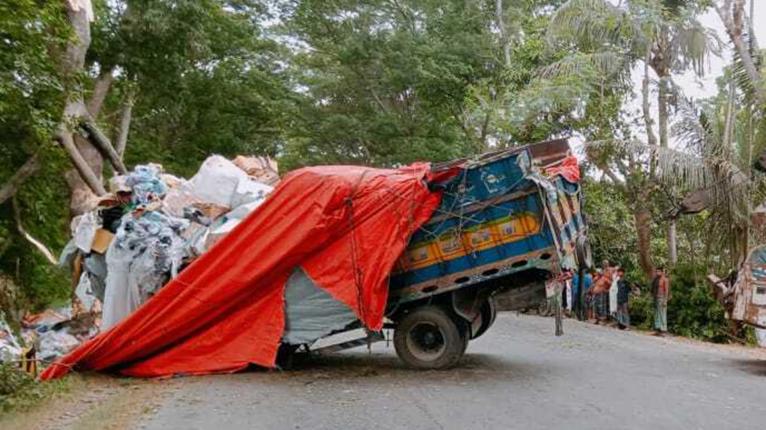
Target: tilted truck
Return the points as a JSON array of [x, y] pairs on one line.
[[507, 223]]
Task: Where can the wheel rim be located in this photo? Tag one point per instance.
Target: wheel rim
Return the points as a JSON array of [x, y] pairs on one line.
[[426, 341]]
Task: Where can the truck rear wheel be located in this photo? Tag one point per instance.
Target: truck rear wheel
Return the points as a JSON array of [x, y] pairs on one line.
[[488, 314], [428, 338]]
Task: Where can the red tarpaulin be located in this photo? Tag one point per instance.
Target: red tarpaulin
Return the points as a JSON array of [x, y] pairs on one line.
[[567, 168], [345, 226]]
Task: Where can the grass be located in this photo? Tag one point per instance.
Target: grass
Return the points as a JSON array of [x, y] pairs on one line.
[[19, 391]]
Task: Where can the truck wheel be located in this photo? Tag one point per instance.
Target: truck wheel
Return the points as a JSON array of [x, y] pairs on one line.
[[488, 315], [428, 338]]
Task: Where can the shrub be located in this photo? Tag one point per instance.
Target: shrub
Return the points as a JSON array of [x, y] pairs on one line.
[[19, 391], [692, 309]]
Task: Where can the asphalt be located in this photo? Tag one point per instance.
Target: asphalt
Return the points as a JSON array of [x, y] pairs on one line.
[[517, 376]]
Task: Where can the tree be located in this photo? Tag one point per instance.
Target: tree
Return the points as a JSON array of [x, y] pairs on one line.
[[191, 77], [611, 39]]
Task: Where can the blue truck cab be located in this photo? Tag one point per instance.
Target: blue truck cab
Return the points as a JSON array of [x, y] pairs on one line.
[[508, 222]]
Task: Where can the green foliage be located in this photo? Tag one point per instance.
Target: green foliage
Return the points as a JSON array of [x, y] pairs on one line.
[[232, 109], [358, 82], [31, 100], [610, 224], [19, 391], [385, 84], [31, 94], [692, 309]]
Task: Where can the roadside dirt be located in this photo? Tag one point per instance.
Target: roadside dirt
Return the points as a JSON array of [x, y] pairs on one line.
[[93, 402]]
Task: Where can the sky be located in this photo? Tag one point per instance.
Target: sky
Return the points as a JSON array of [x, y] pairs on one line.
[[705, 87], [691, 85]]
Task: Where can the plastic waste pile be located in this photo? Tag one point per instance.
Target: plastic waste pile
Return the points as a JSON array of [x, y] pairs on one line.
[[44, 336], [142, 234], [156, 224], [55, 332]]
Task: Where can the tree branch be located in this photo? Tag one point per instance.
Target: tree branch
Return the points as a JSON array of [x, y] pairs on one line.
[[36, 243], [608, 172], [29, 168], [126, 117], [100, 140], [503, 32], [735, 35], [100, 90], [64, 137]]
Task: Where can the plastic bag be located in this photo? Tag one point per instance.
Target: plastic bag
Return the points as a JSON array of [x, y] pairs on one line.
[[85, 231], [121, 297], [54, 344], [146, 183], [84, 292], [760, 335], [9, 346], [216, 181]]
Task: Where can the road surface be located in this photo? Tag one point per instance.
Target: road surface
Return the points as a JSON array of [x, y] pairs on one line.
[[517, 376]]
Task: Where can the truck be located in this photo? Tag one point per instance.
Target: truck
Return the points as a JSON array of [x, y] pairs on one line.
[[508, 224], [743, 292]]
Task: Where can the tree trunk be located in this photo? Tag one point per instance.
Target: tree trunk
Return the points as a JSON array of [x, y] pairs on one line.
[[29, 168], [651, 138], [732, 22], [85, 179], [643, 222], [100, 90], [646, 108], [125, 120], [100, 140], [662, 108], [503, 32], [672, 242]]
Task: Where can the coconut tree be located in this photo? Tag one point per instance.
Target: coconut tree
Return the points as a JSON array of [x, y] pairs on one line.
[[662, 36]]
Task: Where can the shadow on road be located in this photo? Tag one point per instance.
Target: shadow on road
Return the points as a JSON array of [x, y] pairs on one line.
[[751, 366], [475, 366]]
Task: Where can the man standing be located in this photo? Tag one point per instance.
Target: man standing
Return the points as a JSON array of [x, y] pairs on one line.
[[661, 293], [623, 294], [600, 293], [579, 296], [613, 292]]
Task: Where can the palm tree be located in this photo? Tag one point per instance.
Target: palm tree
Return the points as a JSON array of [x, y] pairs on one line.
[[666, 38]]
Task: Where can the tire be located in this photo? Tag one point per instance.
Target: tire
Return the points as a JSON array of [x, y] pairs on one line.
[[428, 338], [286, 356], [488, 315]]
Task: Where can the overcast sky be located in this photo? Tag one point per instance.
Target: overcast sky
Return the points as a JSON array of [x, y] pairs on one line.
[[705, 87], [692, 86]]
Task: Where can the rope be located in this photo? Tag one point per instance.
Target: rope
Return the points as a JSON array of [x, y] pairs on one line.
[[358, 275]]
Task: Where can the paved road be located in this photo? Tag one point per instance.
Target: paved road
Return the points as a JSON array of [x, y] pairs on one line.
[[516, 376]]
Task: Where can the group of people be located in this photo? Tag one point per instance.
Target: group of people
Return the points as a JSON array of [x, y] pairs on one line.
[[603, 295]]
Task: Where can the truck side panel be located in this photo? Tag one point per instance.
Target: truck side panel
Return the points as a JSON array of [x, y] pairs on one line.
[[491, 223]]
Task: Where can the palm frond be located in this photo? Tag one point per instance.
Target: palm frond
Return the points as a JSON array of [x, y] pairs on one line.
[[592, 25], [692, 45], [695, 131], [725, 180], [606, 65]]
